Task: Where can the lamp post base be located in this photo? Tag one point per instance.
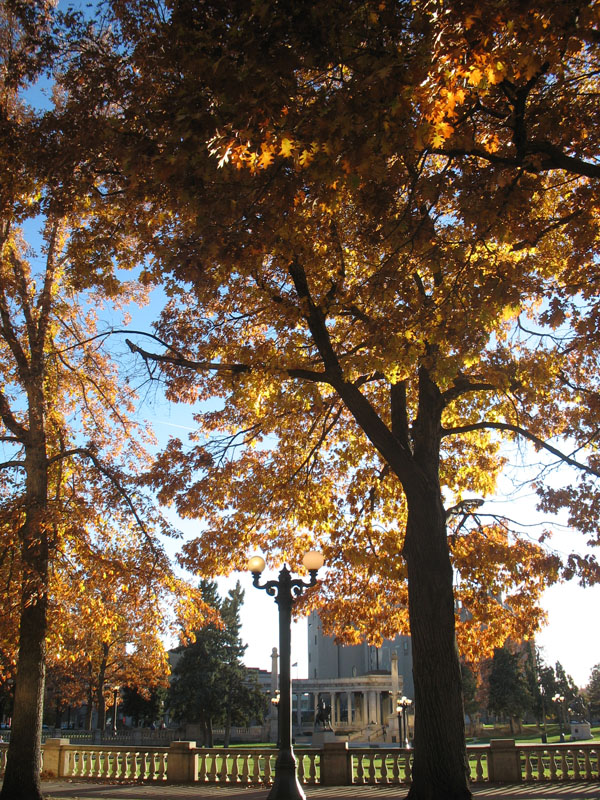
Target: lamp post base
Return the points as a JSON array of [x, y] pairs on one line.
[[286, 785]]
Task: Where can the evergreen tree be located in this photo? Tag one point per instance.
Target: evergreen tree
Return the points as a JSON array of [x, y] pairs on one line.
[[533, 667], [592, 693], [508, 690], [243, 699], [210, 683], [469, 686], [143, 708], [573, 703]]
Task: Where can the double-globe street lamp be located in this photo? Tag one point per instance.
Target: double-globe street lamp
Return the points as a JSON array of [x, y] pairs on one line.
[[285, 590], [402, 704]]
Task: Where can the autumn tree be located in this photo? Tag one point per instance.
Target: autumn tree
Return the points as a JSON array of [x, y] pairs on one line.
[[377, 226], [113, 619], [90, 576], [70, 444]]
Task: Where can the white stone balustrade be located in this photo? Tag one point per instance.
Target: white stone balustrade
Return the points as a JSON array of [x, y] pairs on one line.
[[333, 764]]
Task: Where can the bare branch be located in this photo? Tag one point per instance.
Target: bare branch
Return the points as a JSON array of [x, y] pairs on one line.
[[507, 426], [212, 366], [114, 480], [12, 465]]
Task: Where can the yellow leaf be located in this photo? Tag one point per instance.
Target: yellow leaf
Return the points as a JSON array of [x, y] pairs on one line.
[[287, 146], [266, 159], [475, 77]]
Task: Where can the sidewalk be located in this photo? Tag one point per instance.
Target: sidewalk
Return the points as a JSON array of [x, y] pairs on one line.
[[79, 790]]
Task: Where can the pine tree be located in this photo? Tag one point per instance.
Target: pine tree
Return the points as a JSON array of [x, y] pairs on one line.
[[210, 683], [592, 693], [508, 690]]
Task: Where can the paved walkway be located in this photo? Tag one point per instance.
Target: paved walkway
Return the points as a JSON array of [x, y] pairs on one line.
[[78, 790]]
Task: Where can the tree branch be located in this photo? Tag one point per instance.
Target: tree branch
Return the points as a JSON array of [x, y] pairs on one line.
[[393, 451], [554, 159], [399, 415], [463, 385], [212, 366], [507, 426], [12, 465], [113, 479], [8, 418]]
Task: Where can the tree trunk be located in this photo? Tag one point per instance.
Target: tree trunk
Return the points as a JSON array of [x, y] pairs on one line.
[[89, 708], [227, 733], [101, 709], [100, 701], [23, 766], [440, 769]]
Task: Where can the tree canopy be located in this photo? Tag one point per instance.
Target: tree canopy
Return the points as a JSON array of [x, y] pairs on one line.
[[82, 561], [300, 238], [377, 224]]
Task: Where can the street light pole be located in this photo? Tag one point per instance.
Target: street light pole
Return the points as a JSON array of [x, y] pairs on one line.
[[401, 705], [286, 785], [275, 702], [115, 704], [559, 698]]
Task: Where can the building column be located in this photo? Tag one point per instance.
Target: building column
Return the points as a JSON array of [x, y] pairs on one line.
[[349, 707], [395, 682], [371, 707], [359, 711]]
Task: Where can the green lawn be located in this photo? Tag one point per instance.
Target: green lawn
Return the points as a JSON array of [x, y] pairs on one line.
[[530, 734]]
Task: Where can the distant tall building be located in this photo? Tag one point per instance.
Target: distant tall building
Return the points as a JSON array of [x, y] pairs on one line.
[[328, 660]]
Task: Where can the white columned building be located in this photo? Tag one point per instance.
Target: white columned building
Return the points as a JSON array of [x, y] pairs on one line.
[[359, 684]]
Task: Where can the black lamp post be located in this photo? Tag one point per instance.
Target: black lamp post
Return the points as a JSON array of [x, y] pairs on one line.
[[286, 785], [402, 703], [559, 698], [115, 704], [275, 703]]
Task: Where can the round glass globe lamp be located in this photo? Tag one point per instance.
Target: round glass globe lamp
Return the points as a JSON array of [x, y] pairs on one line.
[[313, 560], [256, 564]]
